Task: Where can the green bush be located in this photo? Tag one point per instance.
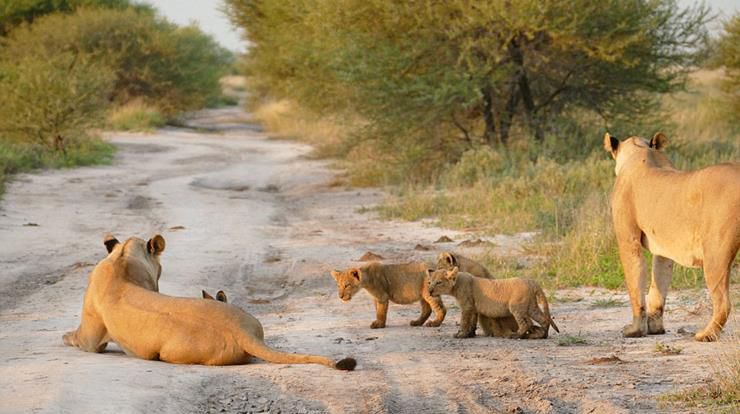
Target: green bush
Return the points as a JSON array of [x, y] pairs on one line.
[[52, 101], [173, 68]]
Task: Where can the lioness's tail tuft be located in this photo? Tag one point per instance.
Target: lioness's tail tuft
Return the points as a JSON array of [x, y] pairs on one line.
[[346, 364]]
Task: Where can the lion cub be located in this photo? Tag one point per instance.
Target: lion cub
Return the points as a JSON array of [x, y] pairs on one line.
[[449, 260], [397, 283], [490, 300]]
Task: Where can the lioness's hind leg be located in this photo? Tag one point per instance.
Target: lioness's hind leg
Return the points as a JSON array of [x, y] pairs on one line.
[[662, 274], [426, 310], [717, 276], [435, 302]]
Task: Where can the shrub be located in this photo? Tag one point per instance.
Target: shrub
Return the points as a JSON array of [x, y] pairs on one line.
[[174, 69], [54, 100]]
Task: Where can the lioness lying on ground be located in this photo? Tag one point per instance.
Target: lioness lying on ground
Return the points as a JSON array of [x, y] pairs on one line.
[[688, 217], [397, 283], [487, 299], [450, 260], [121, 306]]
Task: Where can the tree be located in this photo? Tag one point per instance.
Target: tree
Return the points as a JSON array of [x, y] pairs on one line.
[[442, 76], [728, 55]]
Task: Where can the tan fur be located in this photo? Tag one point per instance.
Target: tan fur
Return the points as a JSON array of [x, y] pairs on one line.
[[450, 260], [397, 283], [121, 306], [488, 300], [688, 217]]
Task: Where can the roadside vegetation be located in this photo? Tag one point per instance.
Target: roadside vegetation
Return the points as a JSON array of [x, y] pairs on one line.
[[489, 116], [70, 68]]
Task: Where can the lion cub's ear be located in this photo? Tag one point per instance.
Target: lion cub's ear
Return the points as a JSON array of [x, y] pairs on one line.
[[659, 141], [155, 245], [335, 274], [221, 296], [452, 275], [450, 259], [206, 295], [355, 273], [110, 242], [611, 144]]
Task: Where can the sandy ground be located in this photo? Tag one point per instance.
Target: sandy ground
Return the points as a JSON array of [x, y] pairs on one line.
[[261, 220]]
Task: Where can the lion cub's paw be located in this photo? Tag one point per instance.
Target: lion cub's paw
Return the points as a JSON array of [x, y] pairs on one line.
[[705, 336], [377, 325], [416, 322], [433, 324], [462, 334]]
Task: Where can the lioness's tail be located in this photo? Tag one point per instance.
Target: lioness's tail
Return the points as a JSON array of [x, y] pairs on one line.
[[542, 301], [259, 349]]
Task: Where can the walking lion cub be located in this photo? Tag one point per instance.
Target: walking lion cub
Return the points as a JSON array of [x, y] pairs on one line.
[[490, 300], [397, 283]]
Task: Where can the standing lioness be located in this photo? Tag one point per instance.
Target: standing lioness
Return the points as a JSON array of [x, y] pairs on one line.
[[149, 325], [688, 217], [491, 300], [397, 283]]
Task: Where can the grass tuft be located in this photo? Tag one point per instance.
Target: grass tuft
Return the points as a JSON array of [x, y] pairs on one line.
[[571, 340], [136, 116]]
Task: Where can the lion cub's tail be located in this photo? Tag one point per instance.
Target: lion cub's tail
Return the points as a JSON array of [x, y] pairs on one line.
[[542, 301], [259, 349]]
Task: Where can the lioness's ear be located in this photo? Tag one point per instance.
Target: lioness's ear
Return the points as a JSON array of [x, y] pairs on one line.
[[110, 242], [206, 295], [155, 245], [611, 144], [221, 296], [659, 141]]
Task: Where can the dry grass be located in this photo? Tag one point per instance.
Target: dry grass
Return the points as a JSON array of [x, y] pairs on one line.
[[284, 119], [135, 115], [702, 113], [721, 393]]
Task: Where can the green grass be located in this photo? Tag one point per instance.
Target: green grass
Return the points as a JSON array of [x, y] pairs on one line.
[[135, 116], [18, 157], [665, 349], [571, 340]]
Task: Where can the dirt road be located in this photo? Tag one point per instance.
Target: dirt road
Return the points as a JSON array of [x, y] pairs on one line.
[[259, 219]]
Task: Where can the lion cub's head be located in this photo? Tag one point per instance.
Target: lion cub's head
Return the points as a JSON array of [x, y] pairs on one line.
[[441, 281], [447, 261], [348, 282], [137, 259]]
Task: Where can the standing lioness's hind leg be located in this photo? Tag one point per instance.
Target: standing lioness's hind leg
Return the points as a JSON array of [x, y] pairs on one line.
[[717, 276]]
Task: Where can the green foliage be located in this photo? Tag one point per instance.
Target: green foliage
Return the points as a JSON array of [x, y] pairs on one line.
[[728, 55], [173, 68], [18, 157], [15, 12], [52, 100], [435, 79], [570, 340]]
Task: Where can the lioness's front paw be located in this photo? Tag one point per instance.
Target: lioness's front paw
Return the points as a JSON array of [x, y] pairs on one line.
[[433, 324], [377, 325], [633, 331]]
